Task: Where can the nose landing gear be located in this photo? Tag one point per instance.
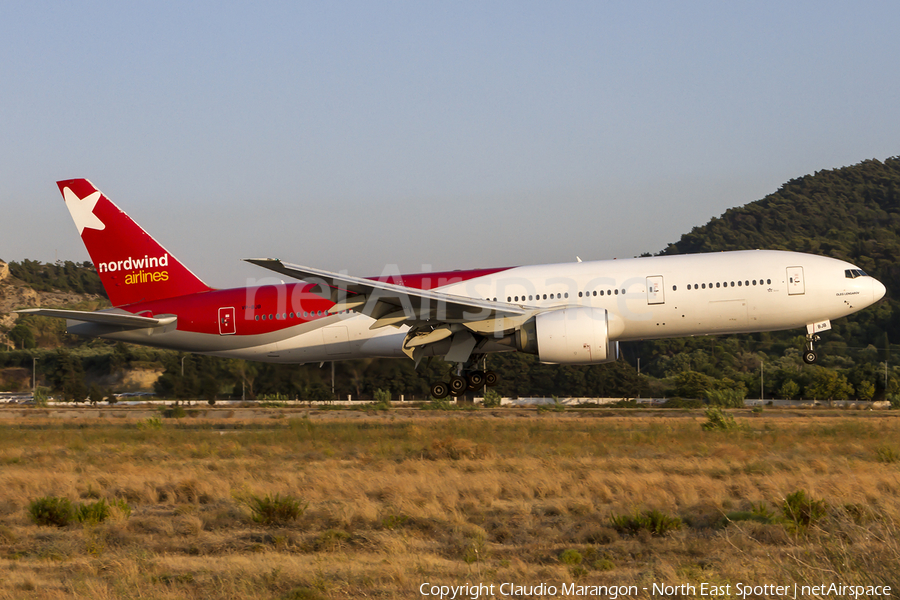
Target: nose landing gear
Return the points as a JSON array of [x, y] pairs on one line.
[[810, 356]]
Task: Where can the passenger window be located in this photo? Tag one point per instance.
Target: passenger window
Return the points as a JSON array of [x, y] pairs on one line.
[[717, 284], [617, 292], [739, 284], [746, 283], [567, 294], [545, 296], [674, 287], [754, 282], [595, 292], [768, 282], [257, 317], [579, 294], [703, 286]]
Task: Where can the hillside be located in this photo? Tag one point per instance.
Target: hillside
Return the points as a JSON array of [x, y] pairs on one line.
[[30, 284], [852, 213]]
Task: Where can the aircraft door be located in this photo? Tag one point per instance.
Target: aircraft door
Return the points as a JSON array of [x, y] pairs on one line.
[[795, 283], [226, 321], [656, 294]]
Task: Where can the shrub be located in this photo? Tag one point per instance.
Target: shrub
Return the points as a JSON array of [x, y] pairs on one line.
[[887, 454], [571, 557], [758, 512], [604, 564], [174, 412], [442, 404], [491, 398], [92, 512], [382, 400], [801, 510], [151, 424], [716, 419], [101, 510], [51, 510], [654, 521], [277, 509]]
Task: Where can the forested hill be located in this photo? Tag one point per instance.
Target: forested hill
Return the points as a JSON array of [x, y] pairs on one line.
[[852, 213], [62, 276]]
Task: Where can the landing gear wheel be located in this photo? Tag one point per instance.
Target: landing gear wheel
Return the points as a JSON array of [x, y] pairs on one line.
[[475, 380], [809, 355], [440, 390], [491, 379], [458, 385]]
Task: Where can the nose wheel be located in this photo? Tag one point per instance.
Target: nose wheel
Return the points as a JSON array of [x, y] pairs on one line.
[[810, 356]]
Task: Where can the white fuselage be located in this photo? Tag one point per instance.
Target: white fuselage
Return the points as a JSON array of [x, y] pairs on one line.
[[646, 298]]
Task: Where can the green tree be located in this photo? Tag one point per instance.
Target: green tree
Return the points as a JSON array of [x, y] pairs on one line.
[[789, 389], [22, 336], [829, 385], [95, 395], [865, 390]]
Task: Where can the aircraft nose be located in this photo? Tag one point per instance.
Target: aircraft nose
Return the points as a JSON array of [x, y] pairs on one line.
[[878, 290]]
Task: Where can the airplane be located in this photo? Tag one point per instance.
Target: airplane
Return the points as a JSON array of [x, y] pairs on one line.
[[571, 313]]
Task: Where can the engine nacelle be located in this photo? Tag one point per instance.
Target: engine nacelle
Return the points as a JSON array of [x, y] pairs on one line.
[[569, 336]]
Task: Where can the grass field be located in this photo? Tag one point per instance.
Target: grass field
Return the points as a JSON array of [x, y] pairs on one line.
[[354, 506]]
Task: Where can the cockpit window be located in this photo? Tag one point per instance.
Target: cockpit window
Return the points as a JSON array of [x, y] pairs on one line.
[[854, 273]]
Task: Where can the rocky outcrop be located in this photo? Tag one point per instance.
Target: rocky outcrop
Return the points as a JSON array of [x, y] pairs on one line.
[[4, 270]]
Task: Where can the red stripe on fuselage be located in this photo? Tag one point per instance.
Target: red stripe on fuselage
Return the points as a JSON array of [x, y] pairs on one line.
[[265, 309]]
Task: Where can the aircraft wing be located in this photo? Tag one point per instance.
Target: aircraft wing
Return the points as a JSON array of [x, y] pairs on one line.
[[102, 318], [391, 304]]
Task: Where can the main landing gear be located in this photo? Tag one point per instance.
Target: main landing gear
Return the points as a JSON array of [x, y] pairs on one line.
[[809, 355], [464, 382]]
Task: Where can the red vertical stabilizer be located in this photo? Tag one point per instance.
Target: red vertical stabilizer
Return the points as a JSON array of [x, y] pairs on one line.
[[132, 265]]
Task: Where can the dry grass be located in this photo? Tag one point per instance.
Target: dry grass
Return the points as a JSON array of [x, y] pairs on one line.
[[395, 501]]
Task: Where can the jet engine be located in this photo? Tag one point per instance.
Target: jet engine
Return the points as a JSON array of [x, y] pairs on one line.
[[571, 336]]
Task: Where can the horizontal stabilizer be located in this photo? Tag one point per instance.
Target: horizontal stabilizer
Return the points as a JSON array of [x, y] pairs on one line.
[[102, 318]]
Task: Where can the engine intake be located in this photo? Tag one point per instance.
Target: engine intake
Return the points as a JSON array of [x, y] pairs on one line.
[[569, 336]]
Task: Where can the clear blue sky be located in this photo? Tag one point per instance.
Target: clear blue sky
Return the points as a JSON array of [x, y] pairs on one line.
[[350, 135]]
